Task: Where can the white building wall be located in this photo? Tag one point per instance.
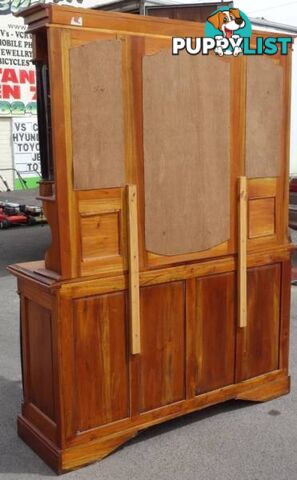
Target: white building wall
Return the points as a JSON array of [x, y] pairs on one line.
[[6, 156]]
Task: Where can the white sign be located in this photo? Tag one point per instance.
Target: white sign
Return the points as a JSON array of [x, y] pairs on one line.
[[17, 73], [26, 146], [12, 6]]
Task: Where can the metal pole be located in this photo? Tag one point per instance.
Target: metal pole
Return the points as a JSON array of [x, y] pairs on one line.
[[141, 7]]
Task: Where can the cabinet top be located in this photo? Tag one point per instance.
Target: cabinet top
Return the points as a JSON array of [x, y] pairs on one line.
[[39, 16]]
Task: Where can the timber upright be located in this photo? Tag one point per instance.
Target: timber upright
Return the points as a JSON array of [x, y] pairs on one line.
[[167, 284]]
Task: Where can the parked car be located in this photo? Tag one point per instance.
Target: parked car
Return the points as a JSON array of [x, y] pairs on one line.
[[293, 203]]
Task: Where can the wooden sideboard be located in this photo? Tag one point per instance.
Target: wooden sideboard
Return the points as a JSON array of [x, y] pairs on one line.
[[166, 287]]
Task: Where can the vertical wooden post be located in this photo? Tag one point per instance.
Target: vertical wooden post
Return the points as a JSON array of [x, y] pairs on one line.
[[133, 263], [242, 253]]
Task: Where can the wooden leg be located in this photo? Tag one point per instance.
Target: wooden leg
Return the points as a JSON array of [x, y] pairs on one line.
[[268, 391]]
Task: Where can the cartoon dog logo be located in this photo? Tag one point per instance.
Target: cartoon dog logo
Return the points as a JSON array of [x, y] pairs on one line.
[[228, 22]]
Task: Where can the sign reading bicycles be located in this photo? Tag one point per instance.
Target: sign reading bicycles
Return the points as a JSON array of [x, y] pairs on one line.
[[228, 31]]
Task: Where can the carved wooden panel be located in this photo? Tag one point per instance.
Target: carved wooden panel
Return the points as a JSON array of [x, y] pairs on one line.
[[97, 114], [186, 107], [264, 116]]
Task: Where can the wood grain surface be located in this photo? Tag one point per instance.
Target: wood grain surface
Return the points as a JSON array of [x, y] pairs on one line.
[[261, 217], [40, 360], [100, 341], [97, 114], [258, 344], [162, 362], [119, 97], [186, 152], [133, 255], [242, 253], [100, 235], [214, 336]]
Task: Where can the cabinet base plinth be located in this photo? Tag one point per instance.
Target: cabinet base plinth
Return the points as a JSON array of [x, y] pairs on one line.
[[80, 455], [62, 461], [39, 443], [260, 389], [268, 391]]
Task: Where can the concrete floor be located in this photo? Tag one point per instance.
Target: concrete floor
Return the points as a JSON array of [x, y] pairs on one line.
[[23, 244], [232, 441], [27, 197]]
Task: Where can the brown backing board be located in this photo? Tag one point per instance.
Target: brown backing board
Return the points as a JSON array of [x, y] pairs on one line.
[[97, 114], [186, 107], [264, 116]]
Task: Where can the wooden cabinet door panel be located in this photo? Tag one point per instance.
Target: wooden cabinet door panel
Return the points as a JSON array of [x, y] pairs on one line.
[[100, 348], [258, 343], [37, 324], [162, 359], [214, 333]]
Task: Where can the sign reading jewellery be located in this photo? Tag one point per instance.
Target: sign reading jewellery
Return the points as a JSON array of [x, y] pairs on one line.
[[228, 32], [17, 73]]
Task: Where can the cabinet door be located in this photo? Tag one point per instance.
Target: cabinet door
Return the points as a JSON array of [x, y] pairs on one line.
[[101, 360], [258, 343], [211, 333], [162, 358]]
